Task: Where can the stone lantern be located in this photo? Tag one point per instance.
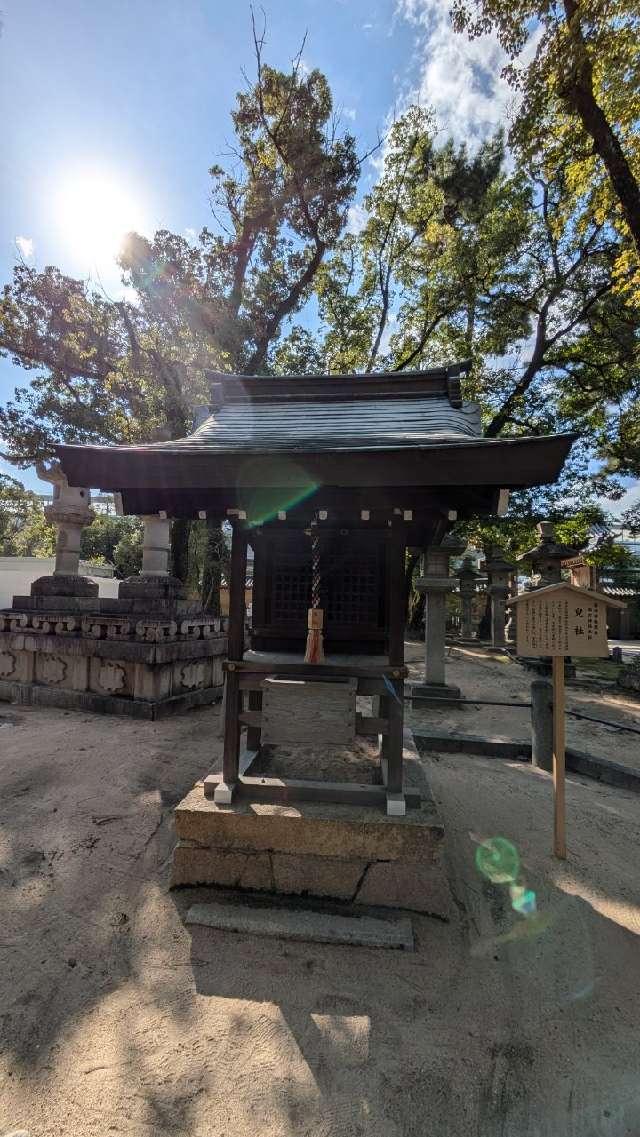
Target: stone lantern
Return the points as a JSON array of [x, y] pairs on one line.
[[500, 571], [547, 556], [435, 582], [70, 512], [467, 577]]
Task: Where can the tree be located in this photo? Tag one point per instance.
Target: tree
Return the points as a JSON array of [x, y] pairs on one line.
[[577, 66], [24, 531], [457, 258], [115, 371], [100, 540], [127, 555]]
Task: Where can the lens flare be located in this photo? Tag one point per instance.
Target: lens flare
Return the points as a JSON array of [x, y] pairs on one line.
[[271, 485], [498, 860], [523, 900]]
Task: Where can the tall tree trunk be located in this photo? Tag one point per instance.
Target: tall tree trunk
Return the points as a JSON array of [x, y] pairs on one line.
[[212, 568], [414, 601], [577, 92], [180, 529], [484, 627]]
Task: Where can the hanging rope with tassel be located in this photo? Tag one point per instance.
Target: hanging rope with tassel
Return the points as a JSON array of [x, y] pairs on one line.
[[315, 615]]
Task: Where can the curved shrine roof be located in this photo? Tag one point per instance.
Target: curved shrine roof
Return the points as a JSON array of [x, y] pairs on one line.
[[358, 424], [409, 428]]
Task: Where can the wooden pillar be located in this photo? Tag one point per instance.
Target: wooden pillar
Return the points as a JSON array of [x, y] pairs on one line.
[[253, 732], [233, 705], [396, 617]]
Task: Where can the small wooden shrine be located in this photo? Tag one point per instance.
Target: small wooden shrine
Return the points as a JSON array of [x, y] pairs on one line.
[[329, 478]]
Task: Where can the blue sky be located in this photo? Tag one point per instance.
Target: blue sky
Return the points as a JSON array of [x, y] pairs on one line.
[[139, 91], [135, 95]]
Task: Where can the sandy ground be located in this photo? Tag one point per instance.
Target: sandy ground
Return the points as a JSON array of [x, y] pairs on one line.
[[116, 1018], [483, 676]]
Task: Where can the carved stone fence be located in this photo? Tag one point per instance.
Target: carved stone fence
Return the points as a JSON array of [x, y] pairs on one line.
[[112, 659]]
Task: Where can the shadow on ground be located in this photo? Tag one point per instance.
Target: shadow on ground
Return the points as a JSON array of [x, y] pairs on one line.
[[117, 1018]]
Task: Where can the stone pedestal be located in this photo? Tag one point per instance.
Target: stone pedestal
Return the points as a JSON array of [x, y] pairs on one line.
[[499, 570], [467, 577], [146, 654], [127, 657], [435, 582], [340, 852]]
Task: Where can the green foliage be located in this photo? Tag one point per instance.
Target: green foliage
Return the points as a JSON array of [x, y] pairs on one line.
[[517, 266], [121, 372], [458, 258], [24, 531], [127, 555], [576, 66], [100, 540]]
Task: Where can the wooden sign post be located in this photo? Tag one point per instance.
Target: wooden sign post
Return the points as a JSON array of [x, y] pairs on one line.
[[561, 621]]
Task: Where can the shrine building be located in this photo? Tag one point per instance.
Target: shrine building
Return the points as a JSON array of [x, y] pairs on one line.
[[329, 479]]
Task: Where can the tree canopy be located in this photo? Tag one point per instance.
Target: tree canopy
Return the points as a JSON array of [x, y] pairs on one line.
[[576, 64], [495, 255]]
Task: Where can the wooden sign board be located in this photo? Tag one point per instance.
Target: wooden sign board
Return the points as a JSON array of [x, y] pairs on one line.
[[558, 621], [561, 622]]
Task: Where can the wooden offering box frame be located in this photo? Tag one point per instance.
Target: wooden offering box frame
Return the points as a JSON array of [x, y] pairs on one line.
[[371, 465]]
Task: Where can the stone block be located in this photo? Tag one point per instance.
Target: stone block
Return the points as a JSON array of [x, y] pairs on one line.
[[110, 676], [317, 876], [62, 584], [292, 924], [194, 864], [152, 683], [149, 586], [422, 888], [16, 664], [189, 675], [310, 828], [52, 669]]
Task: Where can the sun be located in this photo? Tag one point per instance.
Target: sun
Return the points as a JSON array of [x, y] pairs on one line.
[[95, 210]]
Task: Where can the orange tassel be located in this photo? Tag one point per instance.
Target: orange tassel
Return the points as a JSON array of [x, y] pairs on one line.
[[314, 652]]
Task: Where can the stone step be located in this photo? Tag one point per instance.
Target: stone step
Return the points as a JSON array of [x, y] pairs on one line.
[[298, 924]]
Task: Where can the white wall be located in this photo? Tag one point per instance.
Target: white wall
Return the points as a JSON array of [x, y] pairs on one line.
[[18, 573]]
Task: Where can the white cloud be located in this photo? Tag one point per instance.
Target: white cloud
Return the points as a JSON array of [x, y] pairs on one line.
[[26, 247], [628, 499], [367, 27], [357, 218], [459, 78], [348, 112], [191, 235]]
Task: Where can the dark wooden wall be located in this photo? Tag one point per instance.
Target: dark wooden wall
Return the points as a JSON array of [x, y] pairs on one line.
[[353, 592]]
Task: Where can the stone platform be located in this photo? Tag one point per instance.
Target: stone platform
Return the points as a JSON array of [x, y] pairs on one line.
[[350, 853], [128, 656]]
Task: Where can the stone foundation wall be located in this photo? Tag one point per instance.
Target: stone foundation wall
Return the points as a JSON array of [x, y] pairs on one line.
[[112, 656], [341, 852]]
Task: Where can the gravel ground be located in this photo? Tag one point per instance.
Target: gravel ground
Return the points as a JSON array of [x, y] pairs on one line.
[[484, 676], [116, 1018]]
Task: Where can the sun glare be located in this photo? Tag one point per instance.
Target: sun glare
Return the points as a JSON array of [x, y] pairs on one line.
[[94, 211]]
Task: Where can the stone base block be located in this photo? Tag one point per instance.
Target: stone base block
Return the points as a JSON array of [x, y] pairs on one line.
[[145, 666], [35, 695], [147, 587], [64, 585], [341, 852]]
